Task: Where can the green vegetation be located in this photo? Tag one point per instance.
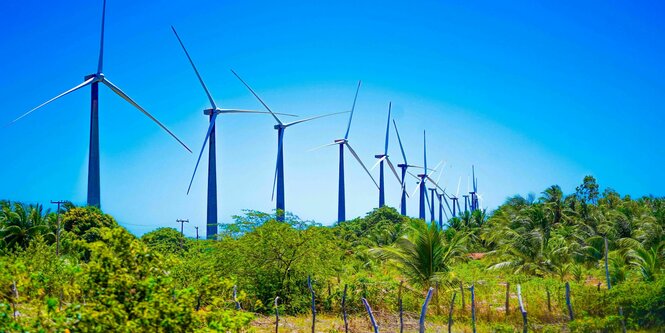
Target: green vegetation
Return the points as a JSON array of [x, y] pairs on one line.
[[107, 280]]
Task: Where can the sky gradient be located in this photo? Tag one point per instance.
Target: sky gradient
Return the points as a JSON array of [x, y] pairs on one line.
[[532, 94]]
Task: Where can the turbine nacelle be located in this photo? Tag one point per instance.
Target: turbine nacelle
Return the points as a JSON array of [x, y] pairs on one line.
[[97, 77], [341, 141], [382, 156]]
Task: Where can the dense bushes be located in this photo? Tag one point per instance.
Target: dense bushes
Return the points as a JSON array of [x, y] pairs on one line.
[[105, 279]]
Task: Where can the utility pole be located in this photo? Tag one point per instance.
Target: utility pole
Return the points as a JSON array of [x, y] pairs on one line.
[[57, 228], [182, 223], [57, 241], [197, 232]]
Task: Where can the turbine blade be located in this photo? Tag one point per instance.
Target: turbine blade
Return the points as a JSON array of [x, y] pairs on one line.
[[323, 146], [415, 190], [435, 184], [392, 167], [312, 118], [257, 96], [400, 142], [419, 167], [458, 184], [425, 150], [101, 44], [348, 127], [253, 111], [85, 83], [377, 163], [353, 152], [205, 141], [412, 175], [131, 101], [390, 106], [198, 75], [436, 168], [441, 173], [429, 206], [475, 184]]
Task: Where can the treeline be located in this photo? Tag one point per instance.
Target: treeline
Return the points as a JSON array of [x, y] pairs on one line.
[[85, 273]]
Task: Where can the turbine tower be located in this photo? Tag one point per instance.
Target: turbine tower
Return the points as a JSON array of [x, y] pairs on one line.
[[384, 158], [211, 113], [423, 176], [279, 168], [93, 80], [341, 200], [431, 206]]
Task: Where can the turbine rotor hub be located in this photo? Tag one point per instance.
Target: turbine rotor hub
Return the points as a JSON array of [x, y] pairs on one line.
[[209, 112]]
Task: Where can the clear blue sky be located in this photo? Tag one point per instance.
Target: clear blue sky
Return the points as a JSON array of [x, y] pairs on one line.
[[532, 94]]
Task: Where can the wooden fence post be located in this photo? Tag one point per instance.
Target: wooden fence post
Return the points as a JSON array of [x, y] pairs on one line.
[[522, 309], [401, 309], [346, 323], [450, 313], [423, 311], [311, 290], [570, 306], [371, 315], [276, 315], [507, 298], [14, 299], [473, 307], [461, 289]]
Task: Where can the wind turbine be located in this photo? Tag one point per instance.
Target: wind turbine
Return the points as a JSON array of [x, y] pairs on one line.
[[404, 166], [423, 176], [474, 193], [384, 158], [93, 80], [212, 113], [279, 168], [424, 198], [442, 198], [433, 192], [466, 196], [455, 199], [341, 201]]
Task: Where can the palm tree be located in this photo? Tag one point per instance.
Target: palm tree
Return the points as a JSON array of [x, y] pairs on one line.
[[647, 261], [426, 252], [22, 223]]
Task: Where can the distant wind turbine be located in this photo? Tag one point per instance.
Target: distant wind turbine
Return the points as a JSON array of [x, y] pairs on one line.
[[212, 113], [93, 81], [404, 166], [279, 168], [474, 192], [384, 158], [341, 201], [466, 197], [455, 199]]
